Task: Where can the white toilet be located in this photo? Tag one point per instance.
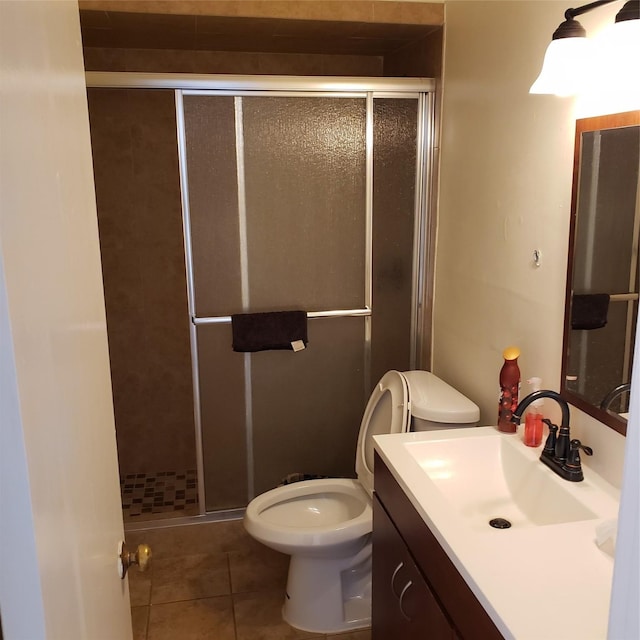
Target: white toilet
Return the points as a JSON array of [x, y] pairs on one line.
[[325, 525]]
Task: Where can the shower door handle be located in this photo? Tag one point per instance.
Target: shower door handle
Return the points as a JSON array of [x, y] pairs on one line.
[[141, 557]]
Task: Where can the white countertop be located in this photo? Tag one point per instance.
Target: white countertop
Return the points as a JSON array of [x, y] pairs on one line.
[[542, 582]]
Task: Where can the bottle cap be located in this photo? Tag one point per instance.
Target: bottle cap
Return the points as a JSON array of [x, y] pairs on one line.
[[511, 353]]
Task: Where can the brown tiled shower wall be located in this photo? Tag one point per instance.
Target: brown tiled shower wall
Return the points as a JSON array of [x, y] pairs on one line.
[[421, 58], [307, 38], [139, 216], [181, 61]]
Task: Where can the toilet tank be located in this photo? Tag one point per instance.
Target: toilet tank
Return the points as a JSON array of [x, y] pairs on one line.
[[437, 405]]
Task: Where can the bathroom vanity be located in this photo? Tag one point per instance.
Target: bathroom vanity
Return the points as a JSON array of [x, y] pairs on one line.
[[442, 571], [417, 591]]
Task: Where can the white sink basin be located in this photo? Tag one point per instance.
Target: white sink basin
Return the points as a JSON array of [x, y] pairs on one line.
[[488, 477], [460, 479]]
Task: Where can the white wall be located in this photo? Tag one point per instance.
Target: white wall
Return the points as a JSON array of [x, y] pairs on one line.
[[506, 162], [505, 190]]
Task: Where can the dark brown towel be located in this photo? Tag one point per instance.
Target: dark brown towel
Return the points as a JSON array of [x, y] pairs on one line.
[[272, 330], [589, 311]]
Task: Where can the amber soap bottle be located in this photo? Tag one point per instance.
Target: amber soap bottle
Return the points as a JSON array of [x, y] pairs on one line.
[[509, 388]]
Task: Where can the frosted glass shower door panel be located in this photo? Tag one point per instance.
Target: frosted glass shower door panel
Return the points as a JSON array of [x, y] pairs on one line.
[[222, 414], [282, 210], [210, 131], [395, 129], [304, 168], [307, 406]]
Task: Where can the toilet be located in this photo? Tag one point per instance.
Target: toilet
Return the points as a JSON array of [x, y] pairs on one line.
[[325, 525]]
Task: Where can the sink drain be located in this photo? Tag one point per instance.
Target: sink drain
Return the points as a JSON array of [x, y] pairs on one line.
[[500, 523]]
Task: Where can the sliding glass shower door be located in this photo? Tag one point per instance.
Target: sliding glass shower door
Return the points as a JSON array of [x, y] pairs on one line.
[[296, 201]]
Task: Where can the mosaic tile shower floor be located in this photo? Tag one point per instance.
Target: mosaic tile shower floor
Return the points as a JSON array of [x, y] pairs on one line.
[[161, 494]]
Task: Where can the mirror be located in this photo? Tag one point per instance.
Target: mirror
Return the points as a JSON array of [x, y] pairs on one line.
[[602, 277]]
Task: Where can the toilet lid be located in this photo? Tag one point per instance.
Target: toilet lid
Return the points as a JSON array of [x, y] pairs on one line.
[[388, 411]]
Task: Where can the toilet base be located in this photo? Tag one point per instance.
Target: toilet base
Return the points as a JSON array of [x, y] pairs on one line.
[[329, 595]]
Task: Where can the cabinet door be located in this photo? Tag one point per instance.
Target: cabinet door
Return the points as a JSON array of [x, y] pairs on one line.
[[403, 605]]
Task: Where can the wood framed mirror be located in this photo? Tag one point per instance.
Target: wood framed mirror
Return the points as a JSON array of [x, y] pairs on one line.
[[601, 305]]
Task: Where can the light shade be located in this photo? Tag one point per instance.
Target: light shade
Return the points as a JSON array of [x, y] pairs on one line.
[[617, 58], [565, 67]]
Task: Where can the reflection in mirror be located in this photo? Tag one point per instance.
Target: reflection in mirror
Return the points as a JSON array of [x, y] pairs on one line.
[[602, 280]]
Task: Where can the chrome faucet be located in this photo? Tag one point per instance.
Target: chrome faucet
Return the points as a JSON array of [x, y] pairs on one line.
[[560, 453]]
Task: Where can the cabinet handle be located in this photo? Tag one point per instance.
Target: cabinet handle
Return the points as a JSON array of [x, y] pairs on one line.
[[393, 579], [404, 590]]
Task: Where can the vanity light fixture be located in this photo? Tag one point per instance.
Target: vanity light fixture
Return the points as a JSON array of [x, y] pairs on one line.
[[571, 57]]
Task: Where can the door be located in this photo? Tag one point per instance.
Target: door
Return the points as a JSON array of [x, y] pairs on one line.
[[61, 519], [295, 201], [403, 604]]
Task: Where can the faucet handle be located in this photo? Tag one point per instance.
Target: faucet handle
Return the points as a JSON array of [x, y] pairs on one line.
[[576, 445], [550, 443], [573, 463]]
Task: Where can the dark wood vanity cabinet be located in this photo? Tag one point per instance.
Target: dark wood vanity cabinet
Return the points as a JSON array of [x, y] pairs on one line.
[[417, 591], [403, 604]]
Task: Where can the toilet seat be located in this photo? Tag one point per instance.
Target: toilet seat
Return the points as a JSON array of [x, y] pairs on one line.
[[272, 517], [388, 411]]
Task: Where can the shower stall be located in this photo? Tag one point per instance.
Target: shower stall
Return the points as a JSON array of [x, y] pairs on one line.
[[219, 196]]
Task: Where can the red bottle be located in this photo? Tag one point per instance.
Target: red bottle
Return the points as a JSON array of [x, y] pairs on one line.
[[509, 388]]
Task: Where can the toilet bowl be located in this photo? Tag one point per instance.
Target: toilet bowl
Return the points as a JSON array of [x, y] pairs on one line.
[[325, 525]]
